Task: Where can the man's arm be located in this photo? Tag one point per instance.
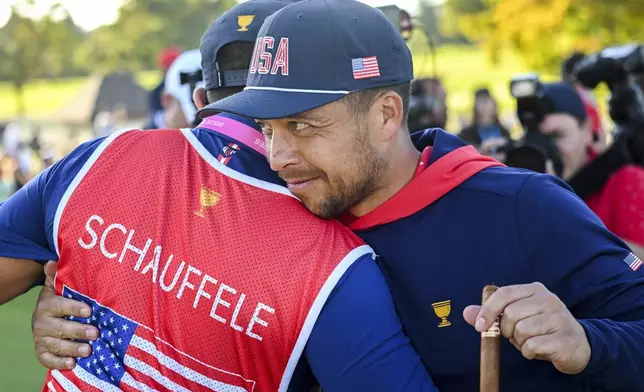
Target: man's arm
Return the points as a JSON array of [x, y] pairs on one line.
[[22, 241], [592, 272], [26, 222], [17, 277], [358, 343]]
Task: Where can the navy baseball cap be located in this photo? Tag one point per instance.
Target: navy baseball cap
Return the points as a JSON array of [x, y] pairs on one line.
[[565, 100], [240, 23], [314, 52]]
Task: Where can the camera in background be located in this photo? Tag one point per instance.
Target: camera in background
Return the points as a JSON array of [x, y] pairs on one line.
[[617, 67], [535, 149]]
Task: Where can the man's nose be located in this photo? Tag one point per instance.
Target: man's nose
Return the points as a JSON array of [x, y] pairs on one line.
[[282, 152]]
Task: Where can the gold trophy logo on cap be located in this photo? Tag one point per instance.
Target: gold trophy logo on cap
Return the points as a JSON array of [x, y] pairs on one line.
[[244, 21]]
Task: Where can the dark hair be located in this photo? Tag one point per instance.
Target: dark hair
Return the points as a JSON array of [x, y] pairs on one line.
[[360, 102], [475, 114], [232, 56]]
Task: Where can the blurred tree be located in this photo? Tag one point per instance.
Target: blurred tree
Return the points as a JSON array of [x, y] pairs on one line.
[[143, 28], [62, 37], [21, 46], [544, 31], [33, 48], [427, 16], [467, 6]]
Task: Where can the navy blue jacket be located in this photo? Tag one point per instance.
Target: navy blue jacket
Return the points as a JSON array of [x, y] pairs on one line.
[[506, 226]]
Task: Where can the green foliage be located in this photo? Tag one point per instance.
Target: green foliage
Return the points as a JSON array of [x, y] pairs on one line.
[[544, 31], [33, 48], [144, 28], [54, 46], [467, 6], [62, 36]]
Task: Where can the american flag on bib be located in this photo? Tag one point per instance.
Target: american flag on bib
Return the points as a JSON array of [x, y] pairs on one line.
[[633, 261], [365, 67], [128, 357]]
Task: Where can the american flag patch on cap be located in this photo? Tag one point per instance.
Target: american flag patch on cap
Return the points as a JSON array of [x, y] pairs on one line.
[[365, 67], [633, 262]]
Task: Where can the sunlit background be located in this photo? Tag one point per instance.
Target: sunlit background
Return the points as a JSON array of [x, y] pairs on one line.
[[54, 56], [89, 15]]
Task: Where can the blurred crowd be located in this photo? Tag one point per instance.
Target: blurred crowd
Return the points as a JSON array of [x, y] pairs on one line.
[[171, 105], [22, 157], [522, 227], [562, 132]]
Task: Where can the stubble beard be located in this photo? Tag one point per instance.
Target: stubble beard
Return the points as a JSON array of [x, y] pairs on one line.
[[349, 192]]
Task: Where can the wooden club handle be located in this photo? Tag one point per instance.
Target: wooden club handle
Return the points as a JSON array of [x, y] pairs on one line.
[[490, 351]]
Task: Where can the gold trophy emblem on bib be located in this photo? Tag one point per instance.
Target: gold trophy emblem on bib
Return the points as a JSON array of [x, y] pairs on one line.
[[207, 199]]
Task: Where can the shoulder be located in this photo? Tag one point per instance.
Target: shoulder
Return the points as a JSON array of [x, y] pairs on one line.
[[145, 138], [549, 199], [514, 183], [90, 150], [505, 182], [527, 197], [628, 179], [70, 164], [324, 233]]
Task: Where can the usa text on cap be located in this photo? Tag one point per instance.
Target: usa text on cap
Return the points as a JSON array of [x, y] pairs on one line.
[[314, 52], [240, 23]]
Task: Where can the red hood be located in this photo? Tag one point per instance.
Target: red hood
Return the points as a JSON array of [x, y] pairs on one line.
[[439, 178]]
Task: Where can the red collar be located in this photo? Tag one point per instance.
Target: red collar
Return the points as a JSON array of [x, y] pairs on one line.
[[424, 160], [430, 183]]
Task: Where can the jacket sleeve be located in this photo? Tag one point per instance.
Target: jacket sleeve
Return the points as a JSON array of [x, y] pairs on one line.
[[593, 273], [357, 343], [26, 218]]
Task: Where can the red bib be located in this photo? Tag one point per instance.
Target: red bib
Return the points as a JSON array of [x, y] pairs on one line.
[[201, 278]]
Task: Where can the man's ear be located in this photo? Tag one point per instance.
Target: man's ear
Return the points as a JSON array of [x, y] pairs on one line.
[[391, 112], [166, 100], [199, 97]]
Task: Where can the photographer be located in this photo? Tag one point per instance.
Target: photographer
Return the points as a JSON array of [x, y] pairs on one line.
[[620, 201], [569, 76], [486, 132]]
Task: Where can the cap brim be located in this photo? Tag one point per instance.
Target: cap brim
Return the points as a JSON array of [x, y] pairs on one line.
[[268, 104]]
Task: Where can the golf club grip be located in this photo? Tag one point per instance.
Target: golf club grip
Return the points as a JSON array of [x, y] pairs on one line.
[[490, 351]]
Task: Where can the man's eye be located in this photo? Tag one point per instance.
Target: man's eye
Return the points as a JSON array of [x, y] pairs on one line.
[[295, 126]]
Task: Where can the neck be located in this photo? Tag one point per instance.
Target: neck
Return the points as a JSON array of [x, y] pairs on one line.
[[398, 172], [567, 175]]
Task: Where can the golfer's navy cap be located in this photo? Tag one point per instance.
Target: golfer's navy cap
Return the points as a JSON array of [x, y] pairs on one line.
[[314, 52], [240, 23]]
